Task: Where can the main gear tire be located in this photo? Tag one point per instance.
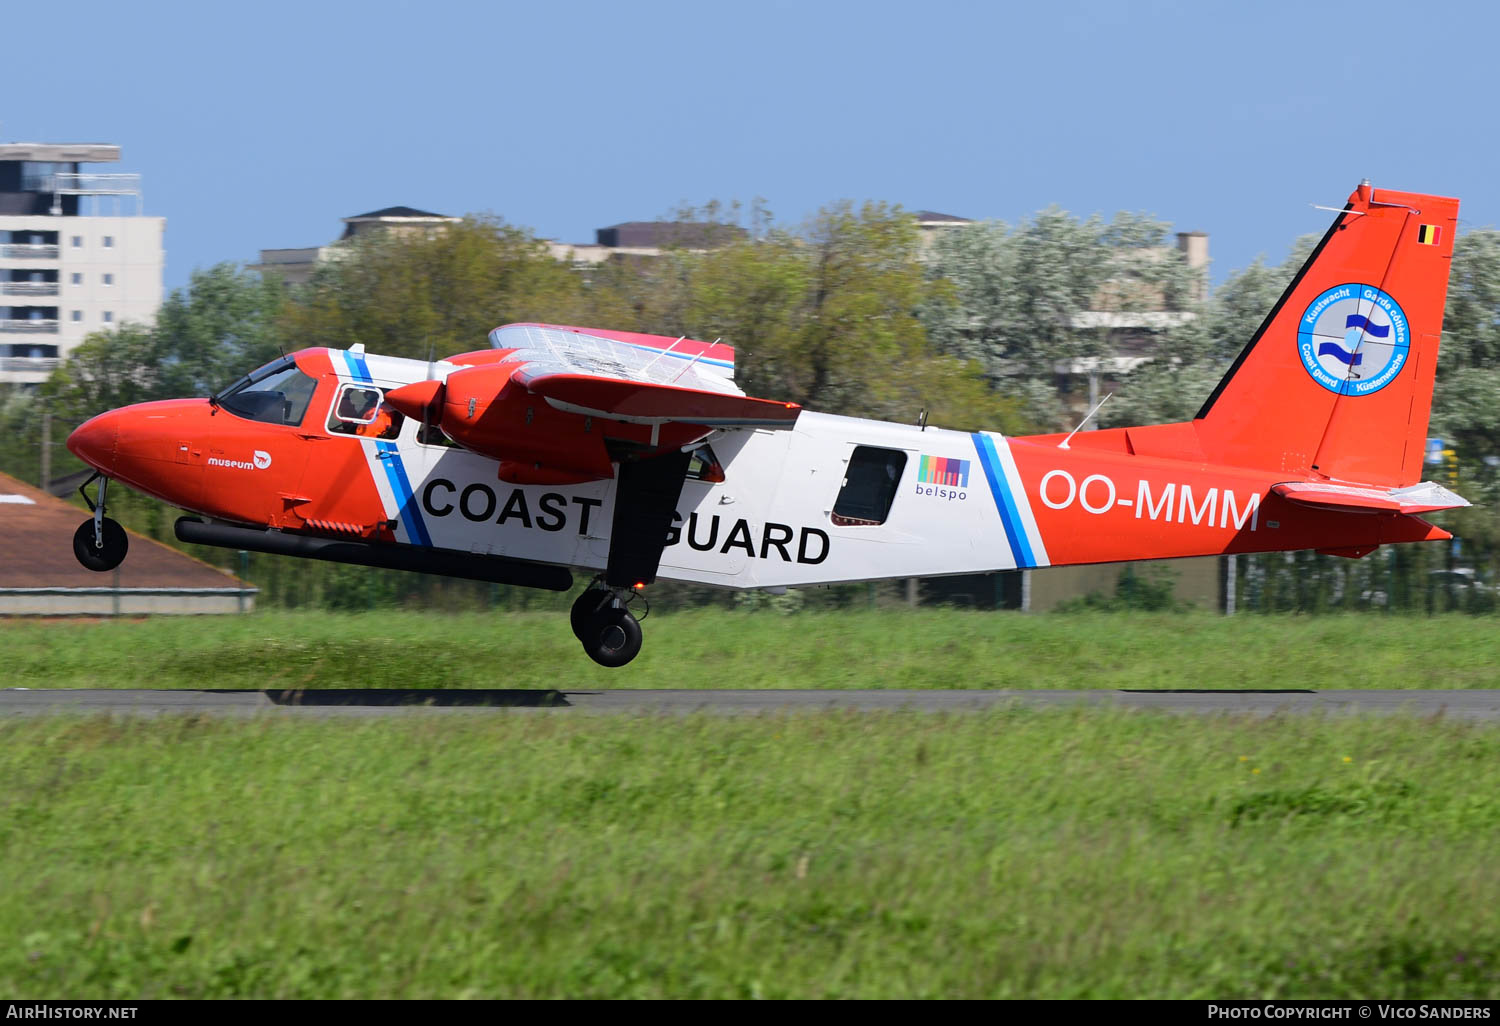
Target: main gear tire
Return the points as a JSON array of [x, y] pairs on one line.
[[612, 637], [587, 605]]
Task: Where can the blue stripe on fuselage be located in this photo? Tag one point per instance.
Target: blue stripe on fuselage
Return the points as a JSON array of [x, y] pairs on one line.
[[388, 454], [1005, 503]]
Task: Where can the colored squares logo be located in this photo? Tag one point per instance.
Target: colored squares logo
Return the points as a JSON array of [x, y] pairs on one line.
[[940, 470]]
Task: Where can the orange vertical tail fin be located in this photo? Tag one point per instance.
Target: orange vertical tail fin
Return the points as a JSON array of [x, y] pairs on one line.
[[1337, 382]]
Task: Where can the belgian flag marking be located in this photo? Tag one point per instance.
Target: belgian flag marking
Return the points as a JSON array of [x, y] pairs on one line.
[[1429, 234]]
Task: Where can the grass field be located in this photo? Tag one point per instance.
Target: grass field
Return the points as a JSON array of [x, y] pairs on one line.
[[718, 649], [1015, 853], [1062, 853]]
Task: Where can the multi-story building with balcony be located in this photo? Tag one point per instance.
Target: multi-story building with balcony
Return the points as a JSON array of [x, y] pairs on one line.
[[77, 254]]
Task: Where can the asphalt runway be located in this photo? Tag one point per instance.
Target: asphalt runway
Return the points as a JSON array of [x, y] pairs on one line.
[[1458, 705]]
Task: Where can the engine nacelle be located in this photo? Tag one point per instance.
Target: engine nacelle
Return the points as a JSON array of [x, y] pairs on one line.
[[485, 411]]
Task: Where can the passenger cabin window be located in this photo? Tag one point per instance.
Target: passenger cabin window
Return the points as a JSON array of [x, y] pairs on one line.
[[703, 465], [359, 411], [870, 484], [277, 393]]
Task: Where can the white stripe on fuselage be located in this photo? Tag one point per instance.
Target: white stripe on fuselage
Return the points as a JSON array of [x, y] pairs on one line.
[[1022, 500]]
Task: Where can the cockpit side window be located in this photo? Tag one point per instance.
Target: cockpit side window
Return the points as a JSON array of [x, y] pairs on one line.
[[870, 483], [277, 393], [360, 410]]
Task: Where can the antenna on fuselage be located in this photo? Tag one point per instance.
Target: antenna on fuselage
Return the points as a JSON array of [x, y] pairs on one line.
[[1064, 443]]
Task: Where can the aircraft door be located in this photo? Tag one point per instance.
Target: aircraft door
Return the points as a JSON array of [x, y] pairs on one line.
[[355, 480], [726, 503], [843, 498]]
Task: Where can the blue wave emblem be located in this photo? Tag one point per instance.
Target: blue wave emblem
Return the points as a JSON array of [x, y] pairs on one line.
[[1338, 352], [1353, 339], [1367, 326]]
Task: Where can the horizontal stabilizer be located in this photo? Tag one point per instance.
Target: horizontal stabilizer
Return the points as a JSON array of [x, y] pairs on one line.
[[650, 403], [1426, 497]]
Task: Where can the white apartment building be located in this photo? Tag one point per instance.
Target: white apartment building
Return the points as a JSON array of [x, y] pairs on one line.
[[77, 254]]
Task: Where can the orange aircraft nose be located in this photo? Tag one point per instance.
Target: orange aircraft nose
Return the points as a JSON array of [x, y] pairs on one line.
[[94, 441]]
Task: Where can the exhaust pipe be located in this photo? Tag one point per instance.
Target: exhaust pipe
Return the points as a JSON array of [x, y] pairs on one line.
[[444, 562]]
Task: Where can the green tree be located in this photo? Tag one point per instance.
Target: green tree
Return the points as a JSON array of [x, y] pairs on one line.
[[1192, 357], [221, 325], [20, 433], [824, 315], [439, 293], [1464, 411], [1018, 295]]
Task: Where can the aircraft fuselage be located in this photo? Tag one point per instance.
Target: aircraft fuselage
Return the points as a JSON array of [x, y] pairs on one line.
[[957, 502]]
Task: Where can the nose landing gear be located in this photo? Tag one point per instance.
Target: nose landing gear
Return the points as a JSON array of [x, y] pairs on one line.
[[609, 633], [101, 543]]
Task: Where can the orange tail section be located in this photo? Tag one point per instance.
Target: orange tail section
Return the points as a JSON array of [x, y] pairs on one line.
[[1337, 382]]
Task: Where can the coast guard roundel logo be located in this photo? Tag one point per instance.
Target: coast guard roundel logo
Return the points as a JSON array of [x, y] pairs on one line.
[[1353, 339]]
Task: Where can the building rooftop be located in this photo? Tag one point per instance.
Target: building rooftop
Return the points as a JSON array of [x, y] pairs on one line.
[[932, 217], [36, 550], [60, 152], [391, 212], [394, 218], [663, 234]]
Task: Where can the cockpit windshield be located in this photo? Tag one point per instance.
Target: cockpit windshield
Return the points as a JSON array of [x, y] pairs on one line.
[[277, 393]]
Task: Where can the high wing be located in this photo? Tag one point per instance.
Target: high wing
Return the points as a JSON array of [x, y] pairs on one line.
[[555, 404], [560, 405], [639, 379], [1426, 497]]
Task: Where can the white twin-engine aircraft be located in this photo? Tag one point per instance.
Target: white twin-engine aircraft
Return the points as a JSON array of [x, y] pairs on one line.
[[633, 457]]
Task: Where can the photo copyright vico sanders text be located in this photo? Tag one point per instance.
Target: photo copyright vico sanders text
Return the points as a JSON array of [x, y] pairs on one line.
[[1361, 1010]]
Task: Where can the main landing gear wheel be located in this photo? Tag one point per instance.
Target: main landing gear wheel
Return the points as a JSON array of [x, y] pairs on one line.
[[611, 637], [104, 552], [587, 605]]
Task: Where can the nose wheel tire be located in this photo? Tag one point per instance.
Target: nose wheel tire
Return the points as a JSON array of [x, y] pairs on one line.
[[611, 637], [100, 557]]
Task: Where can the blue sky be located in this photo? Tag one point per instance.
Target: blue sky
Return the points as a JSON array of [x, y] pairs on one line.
[[260, 125]]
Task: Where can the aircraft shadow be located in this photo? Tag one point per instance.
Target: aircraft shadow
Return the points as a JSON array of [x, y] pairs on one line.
[[471, 697], [1218, 691]]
